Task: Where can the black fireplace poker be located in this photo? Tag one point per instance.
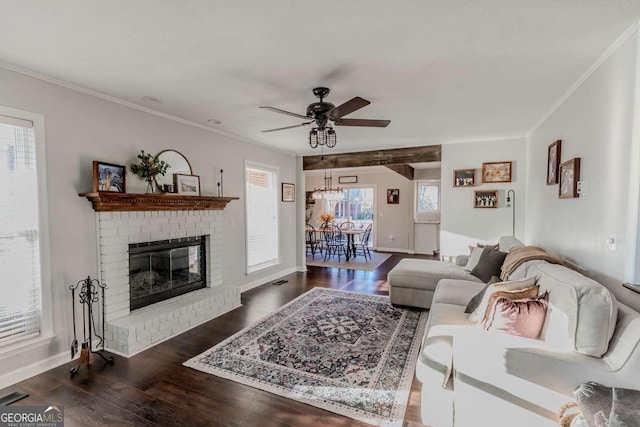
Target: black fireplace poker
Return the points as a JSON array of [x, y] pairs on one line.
[[88, 295]]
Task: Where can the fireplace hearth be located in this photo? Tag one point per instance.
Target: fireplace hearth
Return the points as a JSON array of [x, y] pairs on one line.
[[164, 269]]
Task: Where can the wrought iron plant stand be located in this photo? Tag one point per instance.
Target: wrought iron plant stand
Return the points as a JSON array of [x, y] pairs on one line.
[[90, 292]]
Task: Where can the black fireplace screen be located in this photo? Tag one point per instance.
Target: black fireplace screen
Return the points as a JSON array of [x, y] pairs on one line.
[[164, 269]]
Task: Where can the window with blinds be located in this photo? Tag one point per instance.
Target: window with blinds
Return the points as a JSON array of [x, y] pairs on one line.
[[262, 216], [20, 305]]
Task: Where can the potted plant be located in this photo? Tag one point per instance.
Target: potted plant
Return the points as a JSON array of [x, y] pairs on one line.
[[148, 167]]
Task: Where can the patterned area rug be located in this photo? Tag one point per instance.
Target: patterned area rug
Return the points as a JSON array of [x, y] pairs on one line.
[[349, 353], [357, 263]]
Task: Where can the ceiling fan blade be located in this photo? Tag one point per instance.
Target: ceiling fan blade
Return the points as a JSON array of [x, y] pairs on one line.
[[348, 107], [288, 127], [288, 113], [363, 122]]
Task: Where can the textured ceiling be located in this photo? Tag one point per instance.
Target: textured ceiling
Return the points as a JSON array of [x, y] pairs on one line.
[[441, 71]]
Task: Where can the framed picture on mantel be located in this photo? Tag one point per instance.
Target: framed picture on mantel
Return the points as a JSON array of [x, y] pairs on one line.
[[109, 178], [187, 185]]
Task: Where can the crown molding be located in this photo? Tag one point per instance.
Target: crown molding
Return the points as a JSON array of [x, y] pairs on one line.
[[605, 55], [131, 105]]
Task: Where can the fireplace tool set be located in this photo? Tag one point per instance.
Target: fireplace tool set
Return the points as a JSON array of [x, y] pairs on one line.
[[90, 292]]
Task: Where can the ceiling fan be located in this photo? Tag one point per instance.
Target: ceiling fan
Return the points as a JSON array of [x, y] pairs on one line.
[[323, 113]]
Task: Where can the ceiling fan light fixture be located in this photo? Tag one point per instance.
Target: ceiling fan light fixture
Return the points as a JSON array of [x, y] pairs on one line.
[[322, 136]]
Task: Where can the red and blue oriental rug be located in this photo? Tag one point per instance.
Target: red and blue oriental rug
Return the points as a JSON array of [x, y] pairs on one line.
[[349, 353]]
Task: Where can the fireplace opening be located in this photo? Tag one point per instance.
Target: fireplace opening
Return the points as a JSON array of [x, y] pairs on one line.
[[165, 269]]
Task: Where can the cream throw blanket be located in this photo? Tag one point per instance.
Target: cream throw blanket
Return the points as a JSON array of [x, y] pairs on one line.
[[516, 257]]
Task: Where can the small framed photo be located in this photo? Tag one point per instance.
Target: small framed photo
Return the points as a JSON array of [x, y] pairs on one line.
[[347, 180], [288, 192], [496, 172], [553, 162], [464, 178], [486, 199], [109, 178], [187, 185], [393, 196], [569, 172]]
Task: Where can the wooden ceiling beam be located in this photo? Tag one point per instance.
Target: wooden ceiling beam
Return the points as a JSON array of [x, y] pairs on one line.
[[405, 170], [397, 156]]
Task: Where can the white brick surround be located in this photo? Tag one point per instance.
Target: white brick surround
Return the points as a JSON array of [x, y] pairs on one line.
[[130, 332]]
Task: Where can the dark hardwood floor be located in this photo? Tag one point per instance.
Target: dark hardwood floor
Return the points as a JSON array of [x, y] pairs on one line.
[[153, 388]]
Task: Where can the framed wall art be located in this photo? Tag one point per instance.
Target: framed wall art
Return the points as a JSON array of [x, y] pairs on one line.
[[553, 162], [347, 180], [464, 178], [496, 172], [486, 199], [393, 196], [569, 172], [109, 178], [187, 185], [288, 192]]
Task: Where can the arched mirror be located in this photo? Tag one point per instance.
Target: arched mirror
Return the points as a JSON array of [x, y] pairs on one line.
[[177, 164]]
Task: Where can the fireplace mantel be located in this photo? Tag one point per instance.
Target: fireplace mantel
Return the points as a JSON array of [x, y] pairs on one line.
[[120, 202]]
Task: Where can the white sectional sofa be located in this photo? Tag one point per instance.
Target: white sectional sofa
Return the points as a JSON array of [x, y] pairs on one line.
[[471, 377]]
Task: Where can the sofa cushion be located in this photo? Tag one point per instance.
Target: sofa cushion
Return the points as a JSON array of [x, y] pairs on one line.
[[478, 313], [489, 264], [520, 371], [459, 292], [582, 310], [523, 317], [518, 294], [474, 258], [425, 274], [506, 243]]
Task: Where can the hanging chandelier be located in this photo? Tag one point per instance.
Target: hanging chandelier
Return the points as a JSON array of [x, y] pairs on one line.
[[322, 136], [328, 192]]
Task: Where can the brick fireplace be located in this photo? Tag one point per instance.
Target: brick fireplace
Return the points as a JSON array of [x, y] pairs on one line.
[[128, 331]]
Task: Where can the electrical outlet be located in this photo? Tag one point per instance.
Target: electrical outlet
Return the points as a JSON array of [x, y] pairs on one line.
[[612, 242]]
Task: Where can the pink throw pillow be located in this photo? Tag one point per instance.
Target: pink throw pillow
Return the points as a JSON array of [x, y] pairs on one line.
[[524, 317]]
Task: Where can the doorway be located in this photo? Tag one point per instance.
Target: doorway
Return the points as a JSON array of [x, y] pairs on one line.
[[356, 205]]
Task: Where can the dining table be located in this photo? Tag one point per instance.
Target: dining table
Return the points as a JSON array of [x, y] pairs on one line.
[[351, 246]]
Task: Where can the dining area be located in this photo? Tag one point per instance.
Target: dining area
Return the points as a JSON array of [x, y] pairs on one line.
[[339, 241]]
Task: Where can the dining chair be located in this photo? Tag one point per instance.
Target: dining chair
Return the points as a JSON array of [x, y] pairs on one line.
[[334, 242], [311, 241], [363, 243]]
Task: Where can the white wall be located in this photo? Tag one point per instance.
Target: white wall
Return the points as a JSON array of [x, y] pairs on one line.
[[80, 128], [594, 123], [394, 223], [462, 224]]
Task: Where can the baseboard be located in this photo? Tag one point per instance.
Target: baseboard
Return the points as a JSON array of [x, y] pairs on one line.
[[248, 286], [404, 251], [34, 369], [302, 268]]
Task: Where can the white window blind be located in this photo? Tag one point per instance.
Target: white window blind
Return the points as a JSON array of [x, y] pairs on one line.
[[262, 216], [20, 308]]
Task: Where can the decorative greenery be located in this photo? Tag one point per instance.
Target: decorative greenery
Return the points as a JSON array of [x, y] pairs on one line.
[[149, 166]]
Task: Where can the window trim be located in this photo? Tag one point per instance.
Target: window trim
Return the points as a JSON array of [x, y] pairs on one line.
[[46, 297], [260, 267]]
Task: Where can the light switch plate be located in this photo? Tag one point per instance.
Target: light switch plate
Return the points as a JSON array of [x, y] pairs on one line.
[[583, 188]]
